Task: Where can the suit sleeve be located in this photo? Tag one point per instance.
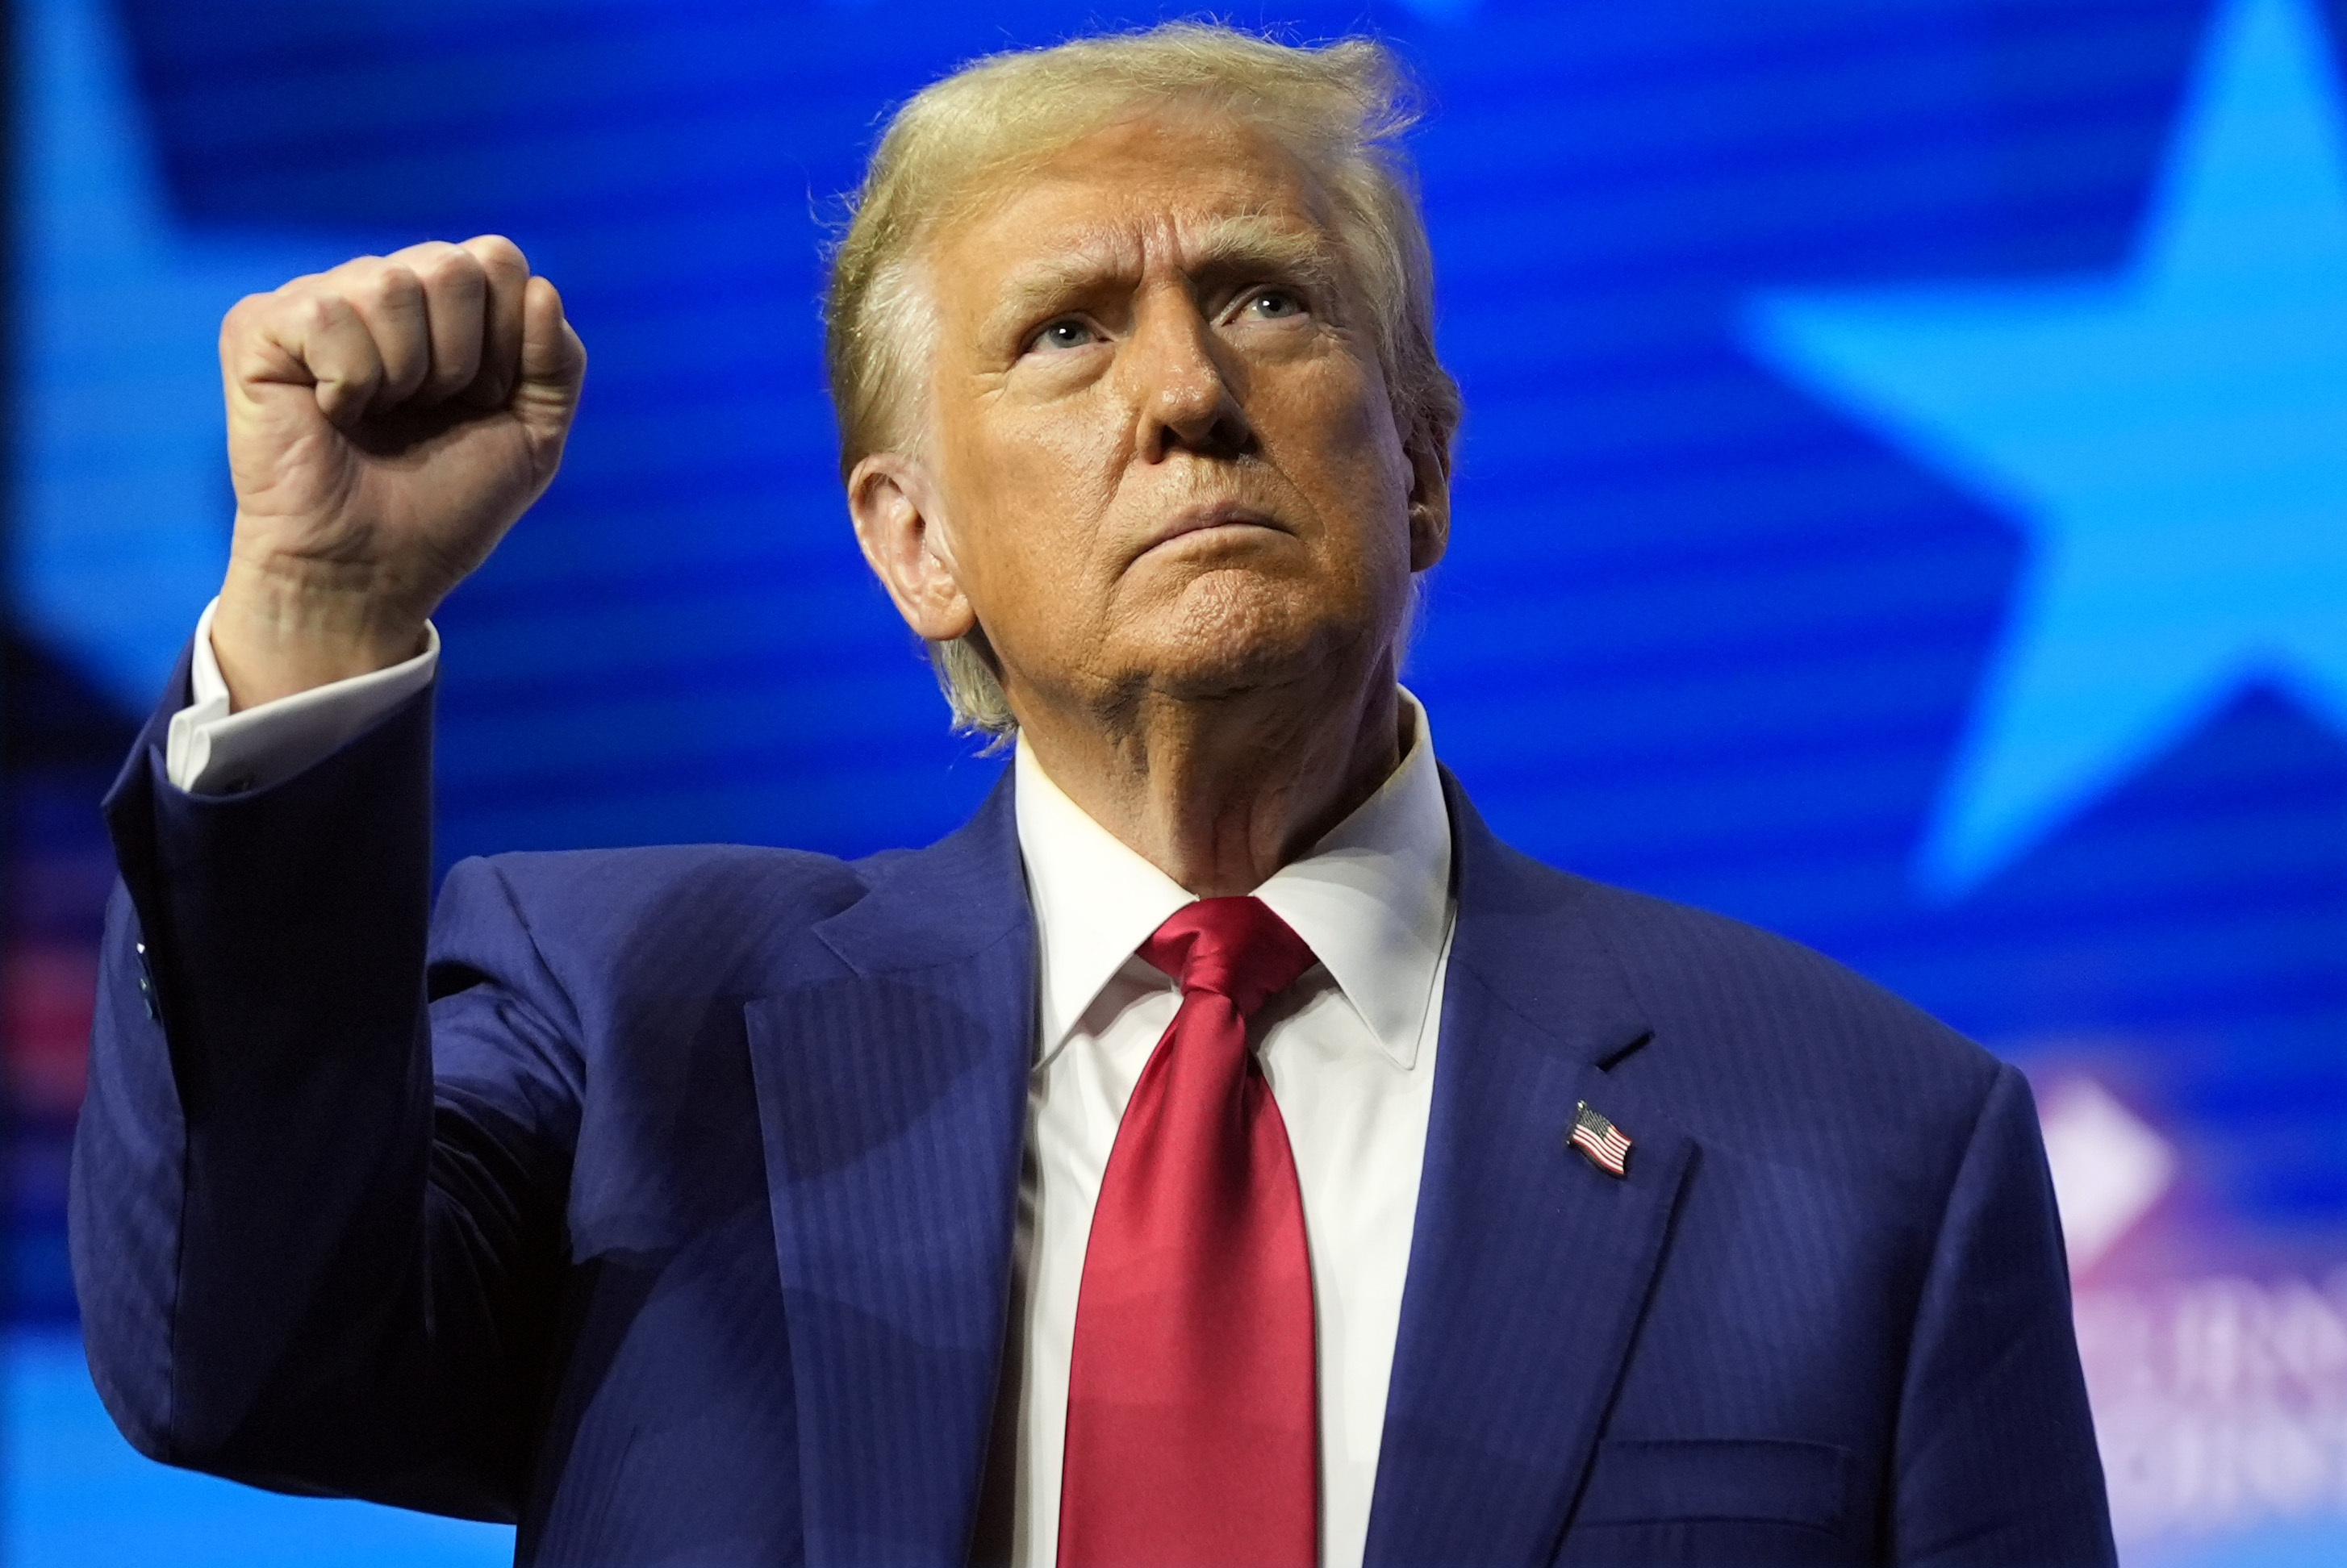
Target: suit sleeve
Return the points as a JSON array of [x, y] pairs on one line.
[[1995, 1463], [305, 1260]]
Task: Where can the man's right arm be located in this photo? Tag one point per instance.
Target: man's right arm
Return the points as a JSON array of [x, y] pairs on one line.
[[299, 1263], [302, 1261]]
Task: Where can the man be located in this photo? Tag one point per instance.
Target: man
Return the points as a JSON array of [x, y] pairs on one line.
[[1221, 1150]]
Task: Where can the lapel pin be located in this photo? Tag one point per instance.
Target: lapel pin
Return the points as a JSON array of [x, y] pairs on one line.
[[1600, 1140]]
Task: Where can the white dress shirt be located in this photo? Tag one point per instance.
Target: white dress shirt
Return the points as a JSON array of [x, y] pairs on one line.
[[211, 751], [1348, 1052]]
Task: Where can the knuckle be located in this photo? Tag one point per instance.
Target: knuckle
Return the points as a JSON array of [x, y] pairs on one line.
[[463, 270], [394, 287], [315, 310], [349, 273], [439, 261], [499, 255], [422, 253], [241, 317]]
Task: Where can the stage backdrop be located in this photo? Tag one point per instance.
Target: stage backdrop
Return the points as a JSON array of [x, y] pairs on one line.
[[1902, 502]]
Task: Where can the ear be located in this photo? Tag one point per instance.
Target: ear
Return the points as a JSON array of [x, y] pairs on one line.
[[898, 524], [1429, 497]]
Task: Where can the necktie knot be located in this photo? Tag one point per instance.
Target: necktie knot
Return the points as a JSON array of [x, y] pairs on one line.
[[1233, 947]]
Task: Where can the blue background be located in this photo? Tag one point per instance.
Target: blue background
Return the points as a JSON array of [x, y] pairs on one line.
[[1755, 511]]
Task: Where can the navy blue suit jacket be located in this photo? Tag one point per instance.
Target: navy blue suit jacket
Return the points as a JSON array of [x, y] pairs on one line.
[[661, 1200]]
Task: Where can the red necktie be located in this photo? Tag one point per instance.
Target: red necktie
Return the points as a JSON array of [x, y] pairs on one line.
[[1193, 1420]]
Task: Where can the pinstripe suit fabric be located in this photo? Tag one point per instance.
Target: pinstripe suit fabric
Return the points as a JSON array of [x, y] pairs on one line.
[[662, 1201]]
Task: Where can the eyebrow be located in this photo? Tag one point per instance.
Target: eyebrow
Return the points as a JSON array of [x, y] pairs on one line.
[[1220, 247], [1243, 244]]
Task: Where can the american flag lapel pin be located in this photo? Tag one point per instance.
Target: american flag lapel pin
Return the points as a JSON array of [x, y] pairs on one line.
[[1600, 1140]]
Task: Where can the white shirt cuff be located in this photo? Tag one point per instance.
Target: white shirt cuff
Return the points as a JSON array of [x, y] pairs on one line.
[[211, 751]]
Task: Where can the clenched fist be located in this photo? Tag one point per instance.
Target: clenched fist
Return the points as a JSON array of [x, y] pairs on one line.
[[387, 421]]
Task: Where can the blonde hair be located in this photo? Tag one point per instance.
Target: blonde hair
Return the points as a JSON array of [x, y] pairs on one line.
[[1340, 108]]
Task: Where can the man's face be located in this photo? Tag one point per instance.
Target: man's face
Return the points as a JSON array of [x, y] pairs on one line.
[[1161, 451]]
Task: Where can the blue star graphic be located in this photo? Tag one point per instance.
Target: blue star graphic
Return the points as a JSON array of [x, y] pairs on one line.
[[2173, 441], [121, 505]]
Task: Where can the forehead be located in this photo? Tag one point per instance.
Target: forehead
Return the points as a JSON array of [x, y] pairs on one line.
[[1168, 185]]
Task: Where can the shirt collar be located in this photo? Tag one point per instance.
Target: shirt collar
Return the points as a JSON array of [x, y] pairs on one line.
[[1372, 898]]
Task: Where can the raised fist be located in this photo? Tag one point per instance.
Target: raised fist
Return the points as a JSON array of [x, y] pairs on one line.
[[387, 421]]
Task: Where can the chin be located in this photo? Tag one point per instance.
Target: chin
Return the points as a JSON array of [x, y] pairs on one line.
[[1231, 636]]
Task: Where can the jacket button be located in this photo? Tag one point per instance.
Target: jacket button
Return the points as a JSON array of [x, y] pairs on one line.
[[146, 980]]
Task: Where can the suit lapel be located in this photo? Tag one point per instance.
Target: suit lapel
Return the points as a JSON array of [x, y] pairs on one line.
[[892, 1099], [1529, 1268]]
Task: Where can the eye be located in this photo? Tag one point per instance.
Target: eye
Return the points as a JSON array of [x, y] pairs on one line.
[[1067, 333], [1273, 304]]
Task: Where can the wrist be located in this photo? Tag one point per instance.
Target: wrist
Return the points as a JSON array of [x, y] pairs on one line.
[[281, 627]]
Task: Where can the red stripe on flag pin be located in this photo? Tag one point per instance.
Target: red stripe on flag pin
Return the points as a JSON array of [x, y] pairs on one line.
[[1600, 1140]]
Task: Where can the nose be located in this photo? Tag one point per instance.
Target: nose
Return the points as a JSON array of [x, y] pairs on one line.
[[1189, 383]]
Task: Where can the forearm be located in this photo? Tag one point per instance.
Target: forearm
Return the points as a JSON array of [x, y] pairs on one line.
[[249, 1201]]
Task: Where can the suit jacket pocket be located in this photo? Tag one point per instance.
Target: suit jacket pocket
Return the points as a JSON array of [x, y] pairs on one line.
[[1743, 1480]]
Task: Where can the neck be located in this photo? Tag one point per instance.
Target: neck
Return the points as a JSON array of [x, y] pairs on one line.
[[1220, 793]]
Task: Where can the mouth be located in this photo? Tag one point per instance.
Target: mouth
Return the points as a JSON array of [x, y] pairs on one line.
[[1225, 514]]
